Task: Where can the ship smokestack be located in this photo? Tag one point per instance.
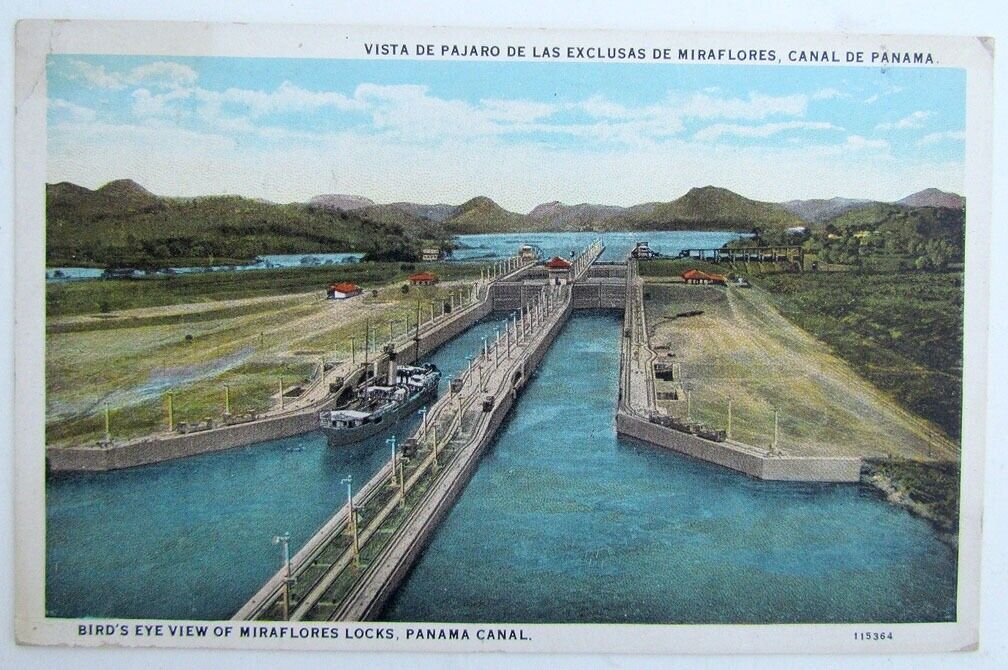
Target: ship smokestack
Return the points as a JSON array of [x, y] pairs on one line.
[[392, 368]]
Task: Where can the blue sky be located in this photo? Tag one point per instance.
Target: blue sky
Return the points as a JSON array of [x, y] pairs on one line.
[[519, 132]]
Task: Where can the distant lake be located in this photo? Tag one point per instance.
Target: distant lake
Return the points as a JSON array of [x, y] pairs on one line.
[[493, 246], [490, 246], [263, 262]]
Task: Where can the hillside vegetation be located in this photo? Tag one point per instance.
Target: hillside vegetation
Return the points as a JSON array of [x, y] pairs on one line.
[[483, 215], [901, 331], [707, 208], [123, 224]]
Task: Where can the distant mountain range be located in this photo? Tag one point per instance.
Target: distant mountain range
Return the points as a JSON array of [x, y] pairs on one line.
[[821, 211], [706, 208], [124, 223]]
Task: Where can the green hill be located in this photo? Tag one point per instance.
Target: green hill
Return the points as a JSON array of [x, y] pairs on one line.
[[123, 224], [483, 215], [706, 208], [924, 222]]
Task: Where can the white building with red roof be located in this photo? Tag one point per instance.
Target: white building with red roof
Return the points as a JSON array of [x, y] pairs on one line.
[[559, 270], [342, 290]]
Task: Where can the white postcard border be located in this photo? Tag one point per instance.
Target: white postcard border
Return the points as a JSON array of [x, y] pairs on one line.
[[35, 39]]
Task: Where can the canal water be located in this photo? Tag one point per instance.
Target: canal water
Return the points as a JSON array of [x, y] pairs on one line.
[[561, 522], [491, 246], [192, 538], [564, 522]]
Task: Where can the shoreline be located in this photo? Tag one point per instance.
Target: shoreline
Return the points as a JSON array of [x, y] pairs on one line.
[[897, 491]]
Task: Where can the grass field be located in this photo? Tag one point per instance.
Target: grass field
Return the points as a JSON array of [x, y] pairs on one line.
[[245, 329], [98, 297], [739, 347], [901, 331]]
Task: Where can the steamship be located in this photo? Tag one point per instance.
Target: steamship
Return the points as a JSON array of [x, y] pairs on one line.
[[376, 407]]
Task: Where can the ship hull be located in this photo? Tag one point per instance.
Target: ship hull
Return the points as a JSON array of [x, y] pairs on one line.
[[343, 436]]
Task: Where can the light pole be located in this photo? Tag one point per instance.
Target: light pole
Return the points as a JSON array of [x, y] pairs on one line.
[[171, 414], [434, 442], [391, 441], [284, 540], [352, 519], [423, 413], [776, 431], [729, 417], [108, 431]]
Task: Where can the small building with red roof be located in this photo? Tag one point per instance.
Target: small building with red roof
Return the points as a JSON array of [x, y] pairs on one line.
[[695, 276], [423, 279], [342, 290], [558, 269]]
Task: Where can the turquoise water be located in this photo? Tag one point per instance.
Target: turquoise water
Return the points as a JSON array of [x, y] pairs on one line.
[[191, 538], [563, 522], [618, 245]]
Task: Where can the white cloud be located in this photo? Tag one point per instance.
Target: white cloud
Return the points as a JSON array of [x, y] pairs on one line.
[[95, 76], [871, 99], [518, 175], [145, 104], [766, 130], [754, 108], [73, 111], [946, 136], [914, 120], [163, 74], [159, 74], [860, 143], [827, 94]]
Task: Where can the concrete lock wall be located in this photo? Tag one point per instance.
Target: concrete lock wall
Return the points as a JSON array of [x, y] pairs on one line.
[[401, 563], [783, 468], [602, 294], [175, 445]]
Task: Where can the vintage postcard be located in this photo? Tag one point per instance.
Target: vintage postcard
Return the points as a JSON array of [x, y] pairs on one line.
[[373, 338]]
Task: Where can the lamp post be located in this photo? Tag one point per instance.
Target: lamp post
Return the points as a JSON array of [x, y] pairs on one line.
[[367, 343], [434, 442], [729, 417], [353, 352], [352, 519], [391, 441], [171, 413], [284, 541], [776, 431], [423, 413], [108, 432], [227, 400]]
